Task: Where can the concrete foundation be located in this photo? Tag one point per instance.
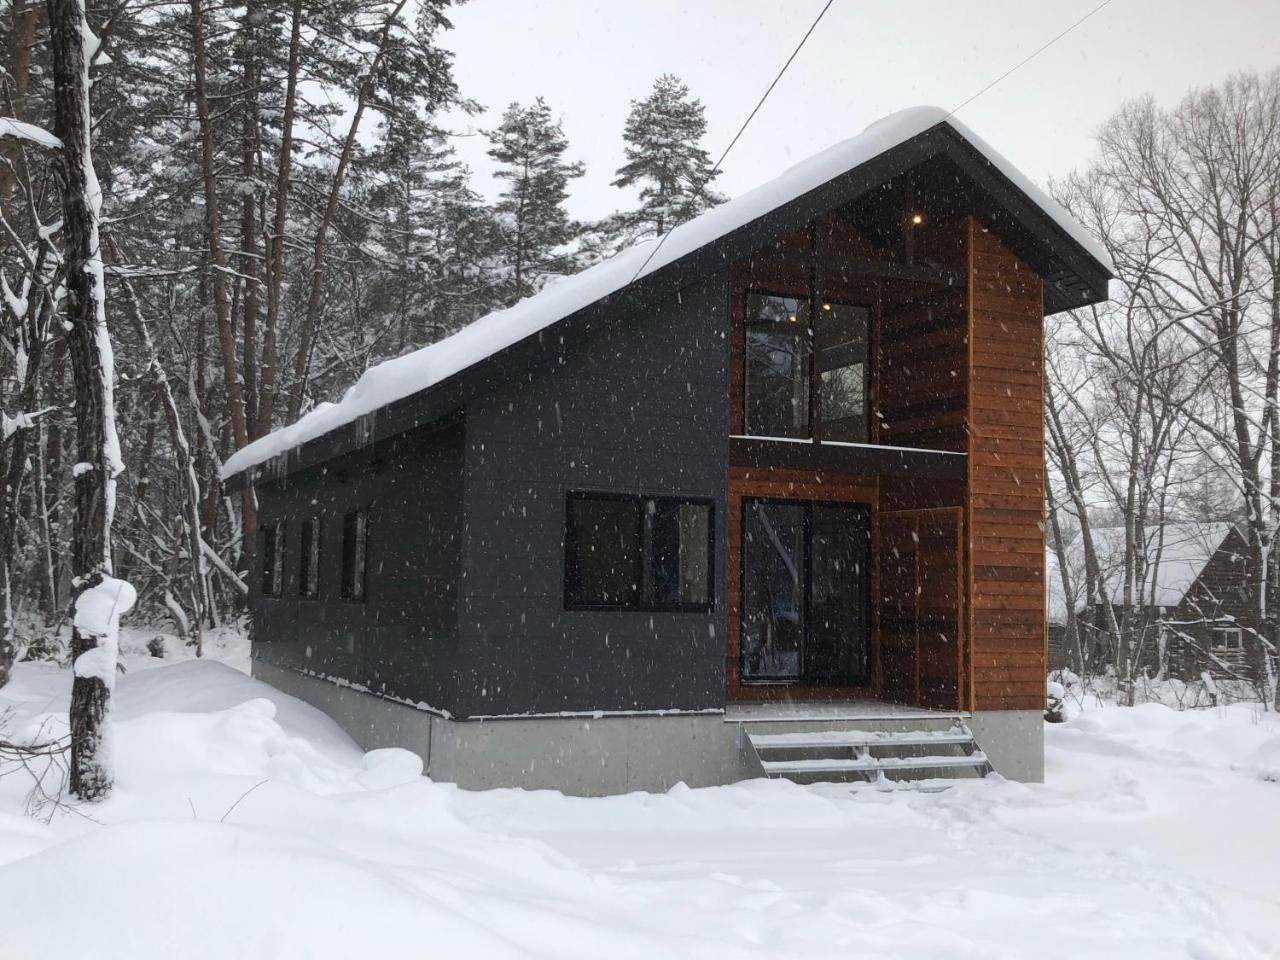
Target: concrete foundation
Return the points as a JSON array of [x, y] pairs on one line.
[[583, 756], [599, 756], [1013, 741]]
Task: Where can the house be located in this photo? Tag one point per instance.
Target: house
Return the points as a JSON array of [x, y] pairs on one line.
[[1193, 599], [779, 474]]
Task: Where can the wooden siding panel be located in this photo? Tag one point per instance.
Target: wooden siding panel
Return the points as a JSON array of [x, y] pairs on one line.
[[1006, 479]]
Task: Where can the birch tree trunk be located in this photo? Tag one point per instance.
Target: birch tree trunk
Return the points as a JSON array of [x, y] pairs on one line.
[[92, 374]]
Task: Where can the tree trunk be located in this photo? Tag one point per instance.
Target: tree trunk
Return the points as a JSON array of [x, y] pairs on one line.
[[249, 226], [92, 374], [22, 33], [302, 361], [218, 261], [275, 243], [13, 455], [186, 469]]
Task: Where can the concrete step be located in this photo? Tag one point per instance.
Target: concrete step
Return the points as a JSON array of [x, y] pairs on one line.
[[913, 749], [787, 768], [858, 739]]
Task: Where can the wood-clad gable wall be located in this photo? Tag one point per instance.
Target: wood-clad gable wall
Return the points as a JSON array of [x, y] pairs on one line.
[[1006, 478]]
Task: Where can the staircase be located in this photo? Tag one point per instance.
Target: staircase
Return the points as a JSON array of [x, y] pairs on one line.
[[881, 752]]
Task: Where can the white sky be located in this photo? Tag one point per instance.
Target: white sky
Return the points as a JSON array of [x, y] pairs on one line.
[[589, 58]]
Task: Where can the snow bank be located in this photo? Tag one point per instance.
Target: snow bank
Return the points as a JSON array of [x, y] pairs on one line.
[[245, 824], [403, 376]]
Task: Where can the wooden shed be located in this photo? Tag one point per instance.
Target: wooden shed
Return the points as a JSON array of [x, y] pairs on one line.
[[784, 468]]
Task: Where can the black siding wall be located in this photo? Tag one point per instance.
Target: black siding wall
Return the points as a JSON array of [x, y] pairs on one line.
[[403, 640], [638, 406]]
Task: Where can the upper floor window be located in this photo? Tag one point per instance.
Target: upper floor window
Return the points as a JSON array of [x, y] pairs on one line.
[[1230, 639], [785, 342], [776, 374], [637, 553], [309, 574], [355, 555], [271, 550]]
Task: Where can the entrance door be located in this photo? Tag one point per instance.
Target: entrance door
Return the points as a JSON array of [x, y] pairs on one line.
[[804, 592]]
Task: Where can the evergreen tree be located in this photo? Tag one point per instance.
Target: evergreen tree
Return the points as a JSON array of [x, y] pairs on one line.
[[529, 148], [435, 238], [664, 158]]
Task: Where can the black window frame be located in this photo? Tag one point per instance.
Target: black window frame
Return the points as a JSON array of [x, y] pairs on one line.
[[310, 552], [346, 591], [640, 605], [271, 547], [812, 296]]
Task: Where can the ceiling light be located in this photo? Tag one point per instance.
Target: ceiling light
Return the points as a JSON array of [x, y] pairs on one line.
[[917, 219]]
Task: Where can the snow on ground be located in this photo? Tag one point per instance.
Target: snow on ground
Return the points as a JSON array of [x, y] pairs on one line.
[[245, 824]]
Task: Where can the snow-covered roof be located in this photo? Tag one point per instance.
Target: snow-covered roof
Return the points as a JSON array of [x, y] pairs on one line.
[[399, 378], [1184, 550]]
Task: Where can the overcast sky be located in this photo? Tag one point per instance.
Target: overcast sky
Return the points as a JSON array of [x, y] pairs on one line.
[[589, 58]]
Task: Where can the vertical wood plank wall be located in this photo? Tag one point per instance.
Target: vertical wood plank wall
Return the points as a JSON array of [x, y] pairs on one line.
[[1006, 478], [922, 608]]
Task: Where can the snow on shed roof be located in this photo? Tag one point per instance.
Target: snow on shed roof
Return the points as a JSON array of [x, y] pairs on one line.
[[1184, 550], [399, 378]]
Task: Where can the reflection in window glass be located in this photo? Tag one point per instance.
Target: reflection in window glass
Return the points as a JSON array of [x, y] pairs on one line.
[[677, 536], [355, 551], [772, 590], [777, 361], [842, 358], [309, 581], [271, 550], [604, 568]]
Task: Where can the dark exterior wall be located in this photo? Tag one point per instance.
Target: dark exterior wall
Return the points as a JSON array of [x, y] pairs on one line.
[[402, 641], [637, 406]]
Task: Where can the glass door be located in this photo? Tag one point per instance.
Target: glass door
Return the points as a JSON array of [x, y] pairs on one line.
[[804, 593], [836, 645], [773, 594]]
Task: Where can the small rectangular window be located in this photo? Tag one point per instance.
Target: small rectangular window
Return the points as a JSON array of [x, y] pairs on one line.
[[271, 550], [1230, 639], [309, 574], [355, 553], [637, 553]]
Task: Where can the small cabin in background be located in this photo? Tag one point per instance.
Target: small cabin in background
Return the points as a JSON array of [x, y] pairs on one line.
[[764, 498], [1195, 600]]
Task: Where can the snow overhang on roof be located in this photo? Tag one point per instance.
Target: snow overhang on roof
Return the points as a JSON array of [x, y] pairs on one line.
[[1075, 266]]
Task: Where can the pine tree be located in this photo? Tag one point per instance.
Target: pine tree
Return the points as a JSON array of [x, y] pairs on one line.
[[435, 237], [663, 133], [529, 148]]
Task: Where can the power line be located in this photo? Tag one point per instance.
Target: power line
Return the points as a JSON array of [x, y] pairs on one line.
[[1027, 59], [751, 116]]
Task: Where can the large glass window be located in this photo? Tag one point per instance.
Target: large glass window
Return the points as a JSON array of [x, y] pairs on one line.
[[637, 553], [355, 555], [786, 348], [842, 371], [271, 550], [776, 380]]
